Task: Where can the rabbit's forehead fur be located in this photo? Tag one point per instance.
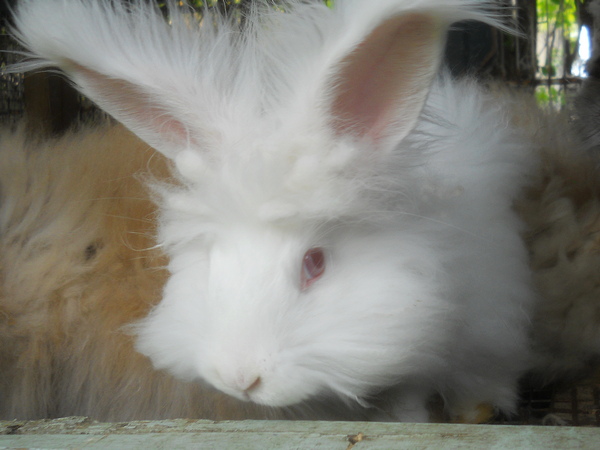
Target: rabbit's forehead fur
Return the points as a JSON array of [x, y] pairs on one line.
[[286, 181]]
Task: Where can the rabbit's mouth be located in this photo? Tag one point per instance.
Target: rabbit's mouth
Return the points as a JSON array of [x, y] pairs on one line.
[[266, 384], [260, 390]]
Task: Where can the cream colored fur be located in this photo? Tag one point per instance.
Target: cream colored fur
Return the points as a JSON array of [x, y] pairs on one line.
[[77, 265], [561, 209]]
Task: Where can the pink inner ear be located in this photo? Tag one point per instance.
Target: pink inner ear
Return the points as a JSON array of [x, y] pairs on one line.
[[130, 105], [382, 83]]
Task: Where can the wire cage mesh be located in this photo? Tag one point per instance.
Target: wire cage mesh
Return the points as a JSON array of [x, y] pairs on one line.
[[11, 85]]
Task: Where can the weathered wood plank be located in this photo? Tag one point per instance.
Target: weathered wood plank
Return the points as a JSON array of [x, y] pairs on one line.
[[77, 432]]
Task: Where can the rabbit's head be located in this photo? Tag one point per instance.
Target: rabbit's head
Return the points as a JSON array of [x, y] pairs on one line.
[[291, 179]]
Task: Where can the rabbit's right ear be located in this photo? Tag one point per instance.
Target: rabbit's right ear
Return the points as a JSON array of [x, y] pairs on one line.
[[125, 58], [378, 89], [158, 121]]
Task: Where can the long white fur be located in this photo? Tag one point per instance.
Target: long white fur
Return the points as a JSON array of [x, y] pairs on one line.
[[427, 287]]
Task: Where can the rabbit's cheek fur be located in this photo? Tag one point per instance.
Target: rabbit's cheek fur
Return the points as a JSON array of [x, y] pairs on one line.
[[266, 334], [258, 336]]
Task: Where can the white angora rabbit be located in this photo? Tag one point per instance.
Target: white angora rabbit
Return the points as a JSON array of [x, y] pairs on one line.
[[335, 216]]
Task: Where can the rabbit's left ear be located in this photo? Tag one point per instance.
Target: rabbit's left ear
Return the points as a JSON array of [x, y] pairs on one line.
[[379, 87]]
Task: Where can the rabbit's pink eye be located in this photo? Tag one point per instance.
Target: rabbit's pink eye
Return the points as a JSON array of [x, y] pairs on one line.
[[313, 266]]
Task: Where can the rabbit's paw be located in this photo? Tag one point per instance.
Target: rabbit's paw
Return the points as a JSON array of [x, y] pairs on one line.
[[412, 406], [480, 413]]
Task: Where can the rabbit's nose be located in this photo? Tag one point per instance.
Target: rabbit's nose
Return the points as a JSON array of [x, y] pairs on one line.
[[247, 383], [243, 382], [252, 387]]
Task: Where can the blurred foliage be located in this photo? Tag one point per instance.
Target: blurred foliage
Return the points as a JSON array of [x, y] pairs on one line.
[[557, 20], [236, 9], [549, 95], [558, 32], [202, 4], [199, 4], [223, 4]]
